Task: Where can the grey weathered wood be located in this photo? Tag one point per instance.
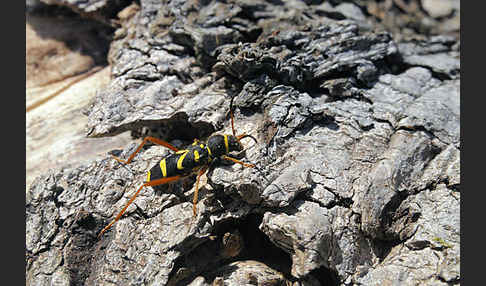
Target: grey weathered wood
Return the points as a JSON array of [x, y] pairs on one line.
[[358, 156]]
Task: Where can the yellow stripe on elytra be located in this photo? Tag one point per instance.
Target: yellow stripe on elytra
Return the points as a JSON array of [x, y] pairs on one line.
[[226, 143], [179, 161], [163, 168], [196, 156], [209, 150], [148, 176]]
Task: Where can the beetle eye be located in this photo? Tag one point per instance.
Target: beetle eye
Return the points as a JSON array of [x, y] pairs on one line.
[[238, 146], [234, 145]]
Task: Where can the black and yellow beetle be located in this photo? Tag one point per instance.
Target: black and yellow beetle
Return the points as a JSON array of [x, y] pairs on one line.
[[195, 159]]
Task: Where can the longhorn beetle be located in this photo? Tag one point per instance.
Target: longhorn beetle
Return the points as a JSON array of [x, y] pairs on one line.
[[196, 159]]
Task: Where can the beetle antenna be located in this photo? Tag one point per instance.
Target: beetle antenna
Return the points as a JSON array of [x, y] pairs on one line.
[[232, 117], [239, 137]]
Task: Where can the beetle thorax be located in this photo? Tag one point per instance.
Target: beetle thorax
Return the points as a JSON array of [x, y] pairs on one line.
[[223, 144]]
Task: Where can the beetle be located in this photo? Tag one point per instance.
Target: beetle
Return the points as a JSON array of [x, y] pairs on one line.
[[195, 159]]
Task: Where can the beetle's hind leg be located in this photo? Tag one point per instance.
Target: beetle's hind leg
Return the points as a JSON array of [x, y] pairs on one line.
[[150, 183], [148, 138]]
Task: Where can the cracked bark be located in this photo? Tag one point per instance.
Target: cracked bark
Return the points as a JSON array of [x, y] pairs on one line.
[[353, 162]]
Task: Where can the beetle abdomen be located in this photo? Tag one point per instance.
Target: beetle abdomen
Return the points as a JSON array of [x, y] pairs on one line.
[[182, 163]]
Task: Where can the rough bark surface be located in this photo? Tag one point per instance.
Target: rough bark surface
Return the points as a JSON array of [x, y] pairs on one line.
[[357, 178]]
